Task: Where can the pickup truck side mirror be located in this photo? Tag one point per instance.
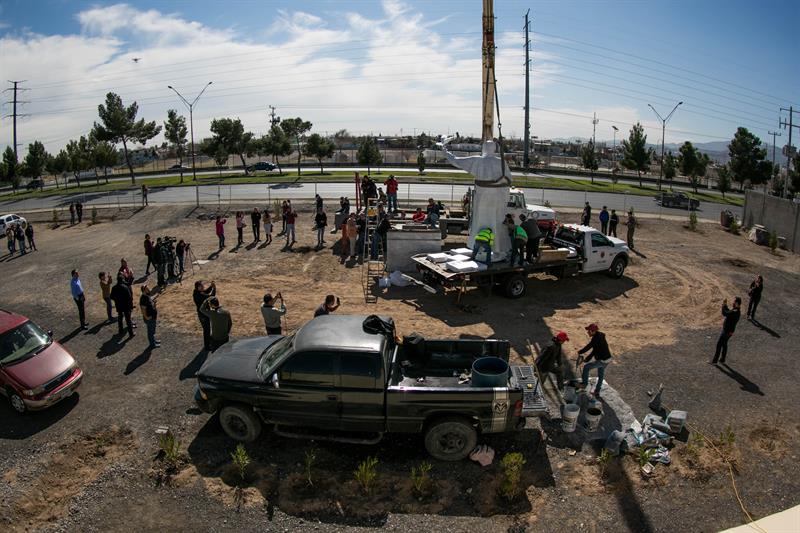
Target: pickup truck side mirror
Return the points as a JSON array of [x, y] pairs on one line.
[[50, 333], [274, 380]]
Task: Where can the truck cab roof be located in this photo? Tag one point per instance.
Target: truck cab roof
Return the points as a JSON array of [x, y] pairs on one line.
[[338, 332]]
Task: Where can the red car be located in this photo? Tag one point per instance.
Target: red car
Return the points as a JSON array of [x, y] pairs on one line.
[[35, 371]]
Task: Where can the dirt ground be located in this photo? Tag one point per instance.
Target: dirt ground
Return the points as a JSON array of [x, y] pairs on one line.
[[661, 320]]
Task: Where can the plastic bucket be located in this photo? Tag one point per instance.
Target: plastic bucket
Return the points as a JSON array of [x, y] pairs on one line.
[[569, 418], [489, 372], [593, 416]]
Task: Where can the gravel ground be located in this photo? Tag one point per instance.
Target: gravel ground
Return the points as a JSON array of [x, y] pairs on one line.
[[662, 321]]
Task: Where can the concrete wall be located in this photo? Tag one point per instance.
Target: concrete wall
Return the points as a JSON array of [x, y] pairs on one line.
[[776, 214], [401, 245]]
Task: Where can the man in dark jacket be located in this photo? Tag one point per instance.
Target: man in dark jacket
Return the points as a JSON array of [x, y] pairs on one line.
[[122, 296], [586, 217], [220, 319], [531, 228], [756, 287], [201, 294], [600, 353], [550, 359], [732, 316], [612, 223], [255, 219], [148, 252]]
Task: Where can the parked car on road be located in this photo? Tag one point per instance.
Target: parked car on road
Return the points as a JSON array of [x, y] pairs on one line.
[[261, 165], [35, 371], [179, 167], [5, 220], [677, 199], [34, 184]]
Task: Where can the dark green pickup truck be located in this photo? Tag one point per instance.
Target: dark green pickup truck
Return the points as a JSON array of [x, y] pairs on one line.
[[347, 378]]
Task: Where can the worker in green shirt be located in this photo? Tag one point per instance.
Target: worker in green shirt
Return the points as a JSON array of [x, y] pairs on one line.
[[484, 240], [518, 245]]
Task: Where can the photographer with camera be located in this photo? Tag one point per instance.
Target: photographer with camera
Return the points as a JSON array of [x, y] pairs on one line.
[[220, 319], [181, 250], [331, 304], [161, 262], [272, 313], [201, 294]]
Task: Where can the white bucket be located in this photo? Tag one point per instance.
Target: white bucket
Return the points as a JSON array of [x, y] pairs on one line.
[[593, 416], [570, 417]]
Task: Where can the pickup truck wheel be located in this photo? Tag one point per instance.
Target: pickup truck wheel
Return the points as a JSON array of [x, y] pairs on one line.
[[618, 267], [515, 286], [450, 439], [240, 423]]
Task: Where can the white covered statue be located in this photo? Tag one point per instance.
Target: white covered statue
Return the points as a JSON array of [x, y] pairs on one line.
[[490, 202]]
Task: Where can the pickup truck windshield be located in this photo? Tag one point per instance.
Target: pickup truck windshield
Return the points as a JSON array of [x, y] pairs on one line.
[[274, 356]]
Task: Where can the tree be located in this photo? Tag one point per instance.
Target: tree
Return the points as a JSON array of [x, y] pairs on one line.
[[230, 135], [746, 157], [423, 141], [368, 153], [36, 160], [221, 158], [669, 167], [421, 162], [175, 132], [702, 167], [688, 162], [589, 158], [58, 165], [319, 147], [635, 155], [119, 125], [11, 167], [295, 128], [79, 157], [103, 155], [723, 179], [276, 144]]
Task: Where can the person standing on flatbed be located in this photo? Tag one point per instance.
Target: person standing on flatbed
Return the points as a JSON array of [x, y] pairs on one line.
[[531, 227], [483, 241]]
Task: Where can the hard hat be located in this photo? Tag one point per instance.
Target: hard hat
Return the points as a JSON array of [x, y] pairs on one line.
[[562, 336]]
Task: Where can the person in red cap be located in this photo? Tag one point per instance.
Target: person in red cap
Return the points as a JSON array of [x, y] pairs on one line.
[[550, 359], [601, 355]]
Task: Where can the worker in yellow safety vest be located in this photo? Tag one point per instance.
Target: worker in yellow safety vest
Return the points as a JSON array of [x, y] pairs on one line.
[[484, 239]]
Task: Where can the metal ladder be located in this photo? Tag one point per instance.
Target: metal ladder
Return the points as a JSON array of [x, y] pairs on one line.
[[371, 269]]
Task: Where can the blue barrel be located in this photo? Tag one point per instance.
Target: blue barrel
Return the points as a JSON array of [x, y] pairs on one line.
[[489, 372]]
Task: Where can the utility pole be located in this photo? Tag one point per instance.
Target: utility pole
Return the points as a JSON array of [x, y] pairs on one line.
[[273, 120], [774, 134], [15, 88], [526, 157], [663, 130], [789, 147]]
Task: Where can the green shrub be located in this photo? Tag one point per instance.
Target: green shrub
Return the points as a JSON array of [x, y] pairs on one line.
[[692, 221], [644, 455], [512, 473], [240, 460], [171, 447], [55, 217], [94, 215], [547, 203], [773, 241], [734, 227], [420, 476], [603, 460], [727, 437], [366, 473]]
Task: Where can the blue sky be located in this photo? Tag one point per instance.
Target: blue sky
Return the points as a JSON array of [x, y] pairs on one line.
[[391, 66]]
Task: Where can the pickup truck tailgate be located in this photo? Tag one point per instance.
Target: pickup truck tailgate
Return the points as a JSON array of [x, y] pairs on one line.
[[533, 401]]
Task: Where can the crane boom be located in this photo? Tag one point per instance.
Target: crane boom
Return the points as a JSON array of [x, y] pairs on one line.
[[487, 133]]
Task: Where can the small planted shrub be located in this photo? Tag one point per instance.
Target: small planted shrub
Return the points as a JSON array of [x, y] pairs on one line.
[[366, 473], [420, 477], [603, 460], [692, 221], [94, 215], [547, 203], [727, 437], [240, 460], [512, 464], [55, 217], [171, 447], [734, 227], [644, 455], [310, 459]]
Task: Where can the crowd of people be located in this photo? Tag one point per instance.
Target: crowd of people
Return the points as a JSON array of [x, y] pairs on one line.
[[19, 238], [610, 221]]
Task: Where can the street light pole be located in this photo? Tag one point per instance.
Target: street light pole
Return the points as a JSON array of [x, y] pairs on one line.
[[663, 130], [614, 150], [191, 129]]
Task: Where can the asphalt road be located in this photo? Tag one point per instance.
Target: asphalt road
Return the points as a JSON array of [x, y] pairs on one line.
[[224, 195]]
